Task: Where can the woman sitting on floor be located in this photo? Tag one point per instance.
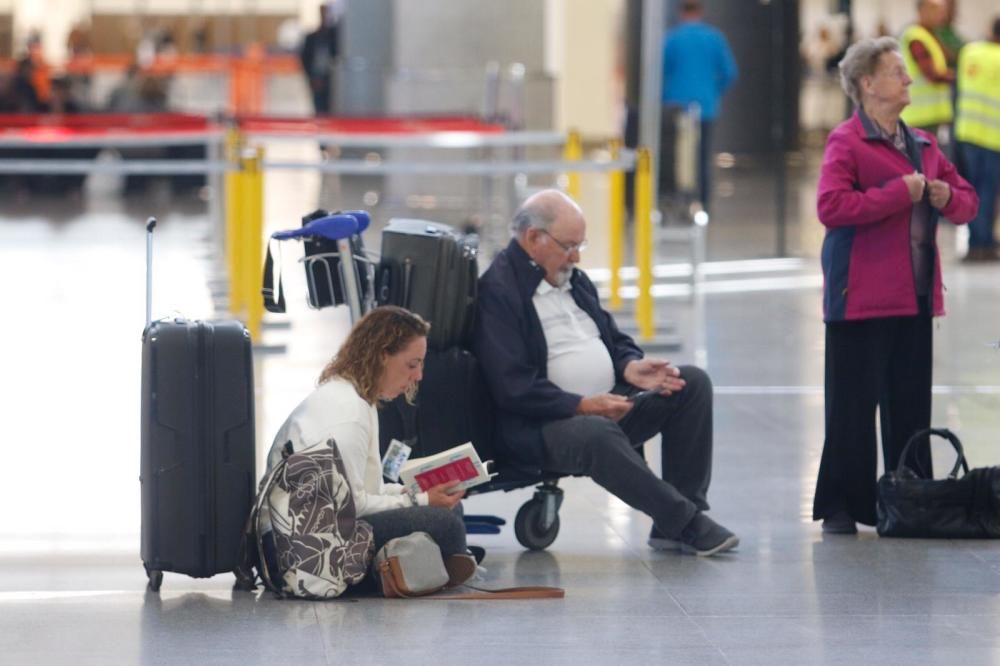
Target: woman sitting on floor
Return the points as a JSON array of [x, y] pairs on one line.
[[381, 359]]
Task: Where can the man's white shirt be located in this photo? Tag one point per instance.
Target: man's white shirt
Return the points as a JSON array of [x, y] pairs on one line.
[[578, 360]]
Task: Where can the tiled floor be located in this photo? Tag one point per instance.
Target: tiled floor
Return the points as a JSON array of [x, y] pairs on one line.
[[72, 586]]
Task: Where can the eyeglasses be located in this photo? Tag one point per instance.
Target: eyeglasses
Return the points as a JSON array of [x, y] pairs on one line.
[[568, 248]]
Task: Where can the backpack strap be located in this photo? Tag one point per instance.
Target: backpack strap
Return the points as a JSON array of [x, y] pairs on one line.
[[481, 593], [265, 492], [246, 579]]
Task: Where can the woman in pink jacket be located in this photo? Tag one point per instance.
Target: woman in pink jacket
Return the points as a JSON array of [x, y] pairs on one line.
[[883, 187]]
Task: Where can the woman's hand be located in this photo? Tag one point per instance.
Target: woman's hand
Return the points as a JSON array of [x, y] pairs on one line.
[[939, 193], [445, 495], [915, 183]]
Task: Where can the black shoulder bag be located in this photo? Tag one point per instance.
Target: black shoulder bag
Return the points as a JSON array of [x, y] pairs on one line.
[[957, 507]]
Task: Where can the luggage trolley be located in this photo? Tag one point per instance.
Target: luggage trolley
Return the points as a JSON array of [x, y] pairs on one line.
[[340, 272], [338, 268]]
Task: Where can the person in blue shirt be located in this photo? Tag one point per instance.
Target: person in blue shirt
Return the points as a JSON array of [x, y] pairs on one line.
[[698, 67]]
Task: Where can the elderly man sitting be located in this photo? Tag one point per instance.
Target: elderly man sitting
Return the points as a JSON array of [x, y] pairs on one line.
[[567, 383]]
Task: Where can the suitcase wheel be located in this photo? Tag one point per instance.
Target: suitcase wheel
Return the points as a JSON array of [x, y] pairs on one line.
[[530, 526], [155, 579]]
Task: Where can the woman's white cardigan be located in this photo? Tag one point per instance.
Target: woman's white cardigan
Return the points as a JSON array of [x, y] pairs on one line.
[[335, 410]]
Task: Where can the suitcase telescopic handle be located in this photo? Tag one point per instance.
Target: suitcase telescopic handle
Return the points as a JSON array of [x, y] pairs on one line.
[[150, 225]]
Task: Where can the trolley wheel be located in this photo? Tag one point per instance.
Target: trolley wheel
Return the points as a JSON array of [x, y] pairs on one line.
[[155, 579], [528, 526]]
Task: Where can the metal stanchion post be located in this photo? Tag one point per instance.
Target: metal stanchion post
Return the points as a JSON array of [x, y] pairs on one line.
[[215, 152], [644, 243], [252, 244], [616, 217], [234, 215], [573, 152]]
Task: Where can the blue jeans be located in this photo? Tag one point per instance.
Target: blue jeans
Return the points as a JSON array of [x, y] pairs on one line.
[[982, 170]]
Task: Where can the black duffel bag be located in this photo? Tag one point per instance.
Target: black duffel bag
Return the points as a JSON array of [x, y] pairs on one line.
[[958, 507]]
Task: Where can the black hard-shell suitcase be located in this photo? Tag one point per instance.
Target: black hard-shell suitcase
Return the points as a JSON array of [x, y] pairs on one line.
[[432, 270], [453, 406], [197, 443]]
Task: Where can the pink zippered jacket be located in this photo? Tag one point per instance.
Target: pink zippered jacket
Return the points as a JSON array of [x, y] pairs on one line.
[[865, 206]]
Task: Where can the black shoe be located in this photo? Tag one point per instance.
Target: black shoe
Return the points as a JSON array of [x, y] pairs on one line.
[[704, 537], [839, 523], [659, 541], [477, 552]]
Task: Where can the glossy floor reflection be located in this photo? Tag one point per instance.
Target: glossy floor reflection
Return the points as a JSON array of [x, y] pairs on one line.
[[72, 587]]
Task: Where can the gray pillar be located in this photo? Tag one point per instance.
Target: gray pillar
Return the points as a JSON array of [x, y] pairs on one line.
[[653, 12], [750, 108], [367, 31]]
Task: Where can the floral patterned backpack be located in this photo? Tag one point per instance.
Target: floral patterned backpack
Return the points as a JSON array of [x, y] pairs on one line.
[[303, 537]]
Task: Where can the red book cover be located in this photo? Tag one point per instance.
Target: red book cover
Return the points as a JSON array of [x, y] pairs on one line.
[[457, 471]]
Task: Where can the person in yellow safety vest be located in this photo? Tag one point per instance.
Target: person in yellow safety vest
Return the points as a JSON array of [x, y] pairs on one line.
[[930, 93], [947, 36], [977, 129]]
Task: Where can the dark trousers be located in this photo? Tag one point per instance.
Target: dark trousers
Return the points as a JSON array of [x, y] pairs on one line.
[[444, 525], [606, 451], [982, 170], [322, 97], [883, 363]]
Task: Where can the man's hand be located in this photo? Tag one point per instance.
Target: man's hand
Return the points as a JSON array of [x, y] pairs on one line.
[[440, 495], [939, 193], [615, 407], [654, 373], [915, 183]]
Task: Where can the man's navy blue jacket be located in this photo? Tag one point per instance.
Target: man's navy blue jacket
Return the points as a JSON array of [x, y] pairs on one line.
[[510, 346]]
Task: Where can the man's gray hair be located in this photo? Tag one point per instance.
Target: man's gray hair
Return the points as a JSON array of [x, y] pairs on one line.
[[532, 215], [862, 60]]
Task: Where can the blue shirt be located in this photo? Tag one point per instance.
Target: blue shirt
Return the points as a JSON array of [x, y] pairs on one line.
[[697, 67]]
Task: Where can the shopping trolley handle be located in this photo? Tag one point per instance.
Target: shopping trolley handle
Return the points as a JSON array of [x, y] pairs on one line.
[[333, 227]]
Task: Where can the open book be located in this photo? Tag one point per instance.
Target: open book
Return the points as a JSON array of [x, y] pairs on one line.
[[460, 464]]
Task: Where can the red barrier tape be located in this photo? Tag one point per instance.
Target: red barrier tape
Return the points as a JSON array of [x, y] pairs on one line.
[[54, 127]]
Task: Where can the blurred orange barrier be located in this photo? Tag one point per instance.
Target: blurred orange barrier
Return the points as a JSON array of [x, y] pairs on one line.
[[270, 64], [246, 72]]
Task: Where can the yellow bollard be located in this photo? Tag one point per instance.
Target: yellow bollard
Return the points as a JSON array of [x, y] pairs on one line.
[[573, 152], [252, 239], [644, 243], [617, 220], [234, 215]]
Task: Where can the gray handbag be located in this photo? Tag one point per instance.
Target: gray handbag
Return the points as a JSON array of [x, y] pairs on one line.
[[412, 566]]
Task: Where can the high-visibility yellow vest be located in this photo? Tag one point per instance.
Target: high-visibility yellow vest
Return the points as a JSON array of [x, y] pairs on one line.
[[930, 103], [977, 119]]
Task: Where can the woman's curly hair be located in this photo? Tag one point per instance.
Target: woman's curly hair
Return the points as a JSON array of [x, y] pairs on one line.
[[361, 359]]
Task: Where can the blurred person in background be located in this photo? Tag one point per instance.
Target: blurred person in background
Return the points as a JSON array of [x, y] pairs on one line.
[[62, 100], [319, 53], [977, 130], [946, 34], [698, 67], [931, 106], [25, 97], [883, 187]]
